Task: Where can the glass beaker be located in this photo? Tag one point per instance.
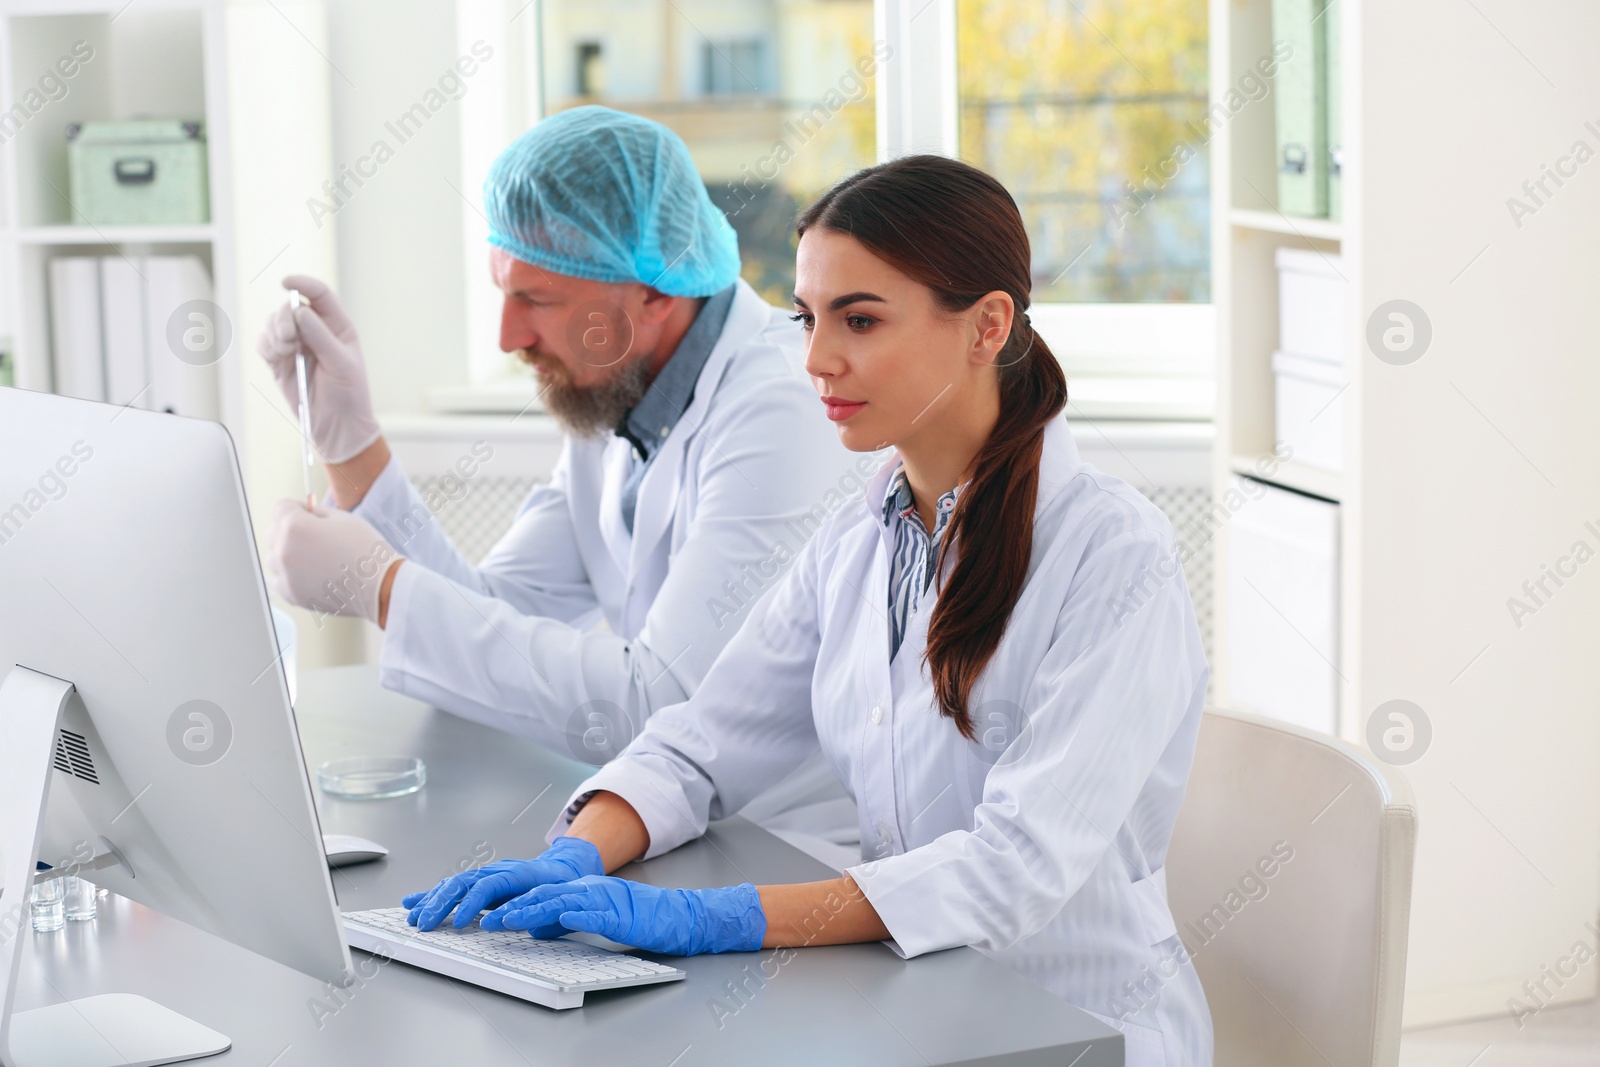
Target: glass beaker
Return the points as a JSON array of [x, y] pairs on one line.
[[49, 905], [80, 903]]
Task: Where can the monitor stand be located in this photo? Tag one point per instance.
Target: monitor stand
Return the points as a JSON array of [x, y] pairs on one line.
[[110, 1030]]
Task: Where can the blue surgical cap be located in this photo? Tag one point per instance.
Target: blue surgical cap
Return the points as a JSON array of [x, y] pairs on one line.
[[597, 193]]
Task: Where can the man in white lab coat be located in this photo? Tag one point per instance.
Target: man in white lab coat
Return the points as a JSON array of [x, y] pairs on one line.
[[697, 460]]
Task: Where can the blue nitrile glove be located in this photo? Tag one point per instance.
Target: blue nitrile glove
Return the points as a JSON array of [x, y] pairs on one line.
[[678, 922], [471, 891]]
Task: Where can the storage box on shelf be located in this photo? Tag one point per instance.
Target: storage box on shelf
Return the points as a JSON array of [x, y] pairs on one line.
[[147, 172], [1308, 410], [1309, 367], [1311, 305]]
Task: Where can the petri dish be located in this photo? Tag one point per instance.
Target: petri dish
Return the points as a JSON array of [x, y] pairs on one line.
[[371, 777]]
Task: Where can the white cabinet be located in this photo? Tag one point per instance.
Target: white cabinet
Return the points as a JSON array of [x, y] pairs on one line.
[[1283, 592]]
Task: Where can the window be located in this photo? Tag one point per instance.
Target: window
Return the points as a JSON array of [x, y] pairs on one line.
[[775, 99], [732, 67], [1090, 112], [591, 69]]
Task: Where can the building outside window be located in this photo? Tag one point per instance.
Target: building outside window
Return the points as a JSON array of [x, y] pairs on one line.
[[769, 95], [591, 69], [733, 67], [1092, 114]]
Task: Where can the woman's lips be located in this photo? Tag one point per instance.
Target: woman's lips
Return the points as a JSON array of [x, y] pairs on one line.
[[839, 409]]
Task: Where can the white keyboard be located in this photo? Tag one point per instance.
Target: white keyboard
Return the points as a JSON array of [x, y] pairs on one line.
[[553, 973]]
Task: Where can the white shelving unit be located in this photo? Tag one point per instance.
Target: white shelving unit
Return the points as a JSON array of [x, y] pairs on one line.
[[1273, 222], [194, 233], [162, 60], [1465, 471]]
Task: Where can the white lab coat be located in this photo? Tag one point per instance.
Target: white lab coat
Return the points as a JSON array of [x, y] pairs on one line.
[[750, 469], [1043, 844]]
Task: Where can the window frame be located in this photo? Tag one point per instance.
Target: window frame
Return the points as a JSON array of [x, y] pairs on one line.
[[917, 111]]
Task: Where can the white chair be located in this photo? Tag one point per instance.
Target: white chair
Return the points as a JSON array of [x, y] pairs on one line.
[[1289, 877]]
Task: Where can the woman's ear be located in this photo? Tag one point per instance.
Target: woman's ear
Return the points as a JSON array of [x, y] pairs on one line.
[[994, 316]]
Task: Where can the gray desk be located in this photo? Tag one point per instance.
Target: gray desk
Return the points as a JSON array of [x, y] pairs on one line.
[[850, 1004]]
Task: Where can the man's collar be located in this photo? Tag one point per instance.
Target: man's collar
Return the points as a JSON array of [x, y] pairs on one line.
[[647, 425]]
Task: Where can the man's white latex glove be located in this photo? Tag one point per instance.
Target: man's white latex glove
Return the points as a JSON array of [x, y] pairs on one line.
[[342, 422], [327, 560]]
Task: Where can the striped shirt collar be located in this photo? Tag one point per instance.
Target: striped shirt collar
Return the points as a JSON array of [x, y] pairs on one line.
[[898, 500], [914, 554]]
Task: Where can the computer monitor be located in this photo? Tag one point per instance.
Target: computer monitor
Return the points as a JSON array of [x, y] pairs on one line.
[[146, 737]]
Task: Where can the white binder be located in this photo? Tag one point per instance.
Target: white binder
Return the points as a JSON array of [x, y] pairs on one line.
[[177, 383], [75, 327], [122, 305], [118, 328]]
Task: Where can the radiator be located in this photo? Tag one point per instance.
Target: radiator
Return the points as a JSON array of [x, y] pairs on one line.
[[1168, 462]]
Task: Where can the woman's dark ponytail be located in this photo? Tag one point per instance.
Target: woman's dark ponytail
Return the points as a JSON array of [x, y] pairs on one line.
[[970, 241]]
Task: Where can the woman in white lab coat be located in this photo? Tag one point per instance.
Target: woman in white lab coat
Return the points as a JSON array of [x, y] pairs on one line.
[[995, 652]]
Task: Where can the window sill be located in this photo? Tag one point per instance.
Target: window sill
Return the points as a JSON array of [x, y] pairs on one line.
[[508, 396], [1150, 398], [1094, 396]]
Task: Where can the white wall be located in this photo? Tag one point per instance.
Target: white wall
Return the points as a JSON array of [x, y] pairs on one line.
[[401, 258], [278, 119], [312, 86]]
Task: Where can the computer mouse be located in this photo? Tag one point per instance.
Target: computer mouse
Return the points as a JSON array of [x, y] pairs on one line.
[[345, 849]]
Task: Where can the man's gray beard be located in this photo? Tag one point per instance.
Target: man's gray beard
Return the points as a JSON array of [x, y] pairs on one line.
[[587, 411]]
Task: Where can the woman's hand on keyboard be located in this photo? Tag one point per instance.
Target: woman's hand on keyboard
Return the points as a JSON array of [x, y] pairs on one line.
[[679, 922], [470, 892]]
